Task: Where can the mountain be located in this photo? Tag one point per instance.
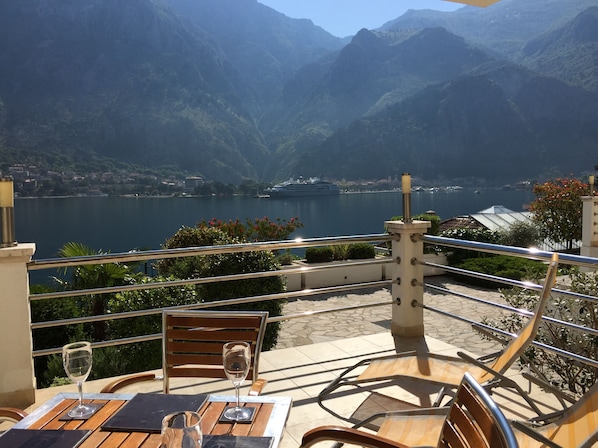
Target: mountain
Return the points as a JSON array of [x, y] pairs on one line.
[[372, 72], [233, 90], [125, 80], [504, 28], [492, 125], [569, 53], [265, 47]]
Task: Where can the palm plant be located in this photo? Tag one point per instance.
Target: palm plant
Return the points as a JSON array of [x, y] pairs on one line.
[[93, 276]]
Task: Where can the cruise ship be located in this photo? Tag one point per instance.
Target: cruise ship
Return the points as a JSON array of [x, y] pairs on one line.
[[300, 187]]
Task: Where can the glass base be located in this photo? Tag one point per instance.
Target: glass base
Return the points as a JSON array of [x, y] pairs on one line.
[[241, 414], [82, 411]]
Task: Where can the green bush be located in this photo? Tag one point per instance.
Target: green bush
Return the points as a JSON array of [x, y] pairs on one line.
[[499, 265], [319, 254], [339, 251], [520, 234], [566, 373], [227, 264], [434, 220], [480, 235], [285, 258], [360, 251]]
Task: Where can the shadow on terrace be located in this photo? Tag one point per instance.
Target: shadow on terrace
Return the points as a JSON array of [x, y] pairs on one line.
[[337, 313]]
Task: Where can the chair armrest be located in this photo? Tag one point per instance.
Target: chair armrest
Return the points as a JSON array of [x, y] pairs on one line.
[[347, 435], [15, 414], [533, 434], [257, 386], [128, 380], [403, 413]]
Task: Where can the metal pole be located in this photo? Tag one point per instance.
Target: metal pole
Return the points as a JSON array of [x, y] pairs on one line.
[[406, 189], [7, 218]]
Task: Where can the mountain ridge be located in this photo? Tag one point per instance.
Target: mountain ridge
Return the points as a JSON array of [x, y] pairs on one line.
[[232, 90]]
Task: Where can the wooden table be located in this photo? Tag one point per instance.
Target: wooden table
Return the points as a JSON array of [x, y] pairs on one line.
[[270, 419]]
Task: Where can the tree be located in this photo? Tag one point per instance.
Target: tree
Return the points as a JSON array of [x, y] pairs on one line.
[[557, 210], [521, 234], [93, 276]]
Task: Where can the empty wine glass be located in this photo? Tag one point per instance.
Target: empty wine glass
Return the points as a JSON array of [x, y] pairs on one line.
[[77, 359], [237, 360], [181, 430]]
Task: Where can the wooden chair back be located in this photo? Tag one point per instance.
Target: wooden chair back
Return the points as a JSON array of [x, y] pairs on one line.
[[192, 341], [475, 421]]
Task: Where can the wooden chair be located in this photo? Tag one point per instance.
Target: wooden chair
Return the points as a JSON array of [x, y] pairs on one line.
[[576, 426], [192, 346], [12, 414], [473, 421], [9, 416], [447, 371]]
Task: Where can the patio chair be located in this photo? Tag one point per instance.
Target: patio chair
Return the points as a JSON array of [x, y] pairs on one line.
[[576, 426], [11, 414], [446, 371], [192, 346], [473, 421]]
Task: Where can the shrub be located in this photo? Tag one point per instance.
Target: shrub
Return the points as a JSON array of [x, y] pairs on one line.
[[319, 254], [360, 251], [500, 265], [227, 264], [285, 259], [566, 373], [479, 235], [520, 234], [434, 220], [259, 229], [339, 251]]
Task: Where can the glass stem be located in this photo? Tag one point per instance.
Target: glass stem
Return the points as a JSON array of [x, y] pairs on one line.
[[80, 387], [237, 391]]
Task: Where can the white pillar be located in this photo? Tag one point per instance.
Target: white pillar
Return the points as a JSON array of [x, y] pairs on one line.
[[589, 234], [17, 378], [407, 319]]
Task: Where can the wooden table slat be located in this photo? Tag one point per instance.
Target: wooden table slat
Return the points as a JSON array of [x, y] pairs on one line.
[[153, 441], [95, 439], [261, 420], [41, 422]]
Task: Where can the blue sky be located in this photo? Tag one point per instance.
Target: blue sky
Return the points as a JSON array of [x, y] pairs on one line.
[[346, 17]]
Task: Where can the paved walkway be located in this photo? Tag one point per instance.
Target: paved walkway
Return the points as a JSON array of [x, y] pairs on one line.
[[366, 321]]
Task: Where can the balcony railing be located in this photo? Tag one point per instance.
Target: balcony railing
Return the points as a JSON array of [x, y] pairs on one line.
[[402, 272], [302, 271]]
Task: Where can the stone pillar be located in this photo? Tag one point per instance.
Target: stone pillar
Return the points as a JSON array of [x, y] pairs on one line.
[[407, 320], [589, 235], [17, 378]]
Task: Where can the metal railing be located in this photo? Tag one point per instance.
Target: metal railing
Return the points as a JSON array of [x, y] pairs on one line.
[[153, 255], [446, 243]]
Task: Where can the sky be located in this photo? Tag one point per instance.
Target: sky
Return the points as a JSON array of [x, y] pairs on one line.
[[346, 17]]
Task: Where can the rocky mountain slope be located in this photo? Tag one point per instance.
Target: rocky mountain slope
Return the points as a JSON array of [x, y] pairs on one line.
[[233, 90]]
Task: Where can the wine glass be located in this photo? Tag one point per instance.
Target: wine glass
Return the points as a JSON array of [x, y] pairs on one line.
[[237, 360], [181, 430], [77, 359]]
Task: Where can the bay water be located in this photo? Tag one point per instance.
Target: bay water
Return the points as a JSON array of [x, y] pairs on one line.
[[120, 224]]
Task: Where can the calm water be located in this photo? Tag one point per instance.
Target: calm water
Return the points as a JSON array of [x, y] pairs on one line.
[[120, 224]]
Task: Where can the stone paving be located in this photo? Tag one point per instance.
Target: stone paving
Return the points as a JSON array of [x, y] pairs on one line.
[[328, 327]]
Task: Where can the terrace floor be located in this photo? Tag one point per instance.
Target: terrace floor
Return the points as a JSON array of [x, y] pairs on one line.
[[312, 351]]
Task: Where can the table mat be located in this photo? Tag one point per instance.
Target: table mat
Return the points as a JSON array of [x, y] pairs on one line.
[[144, 412], [236, 442], [42, 438]]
